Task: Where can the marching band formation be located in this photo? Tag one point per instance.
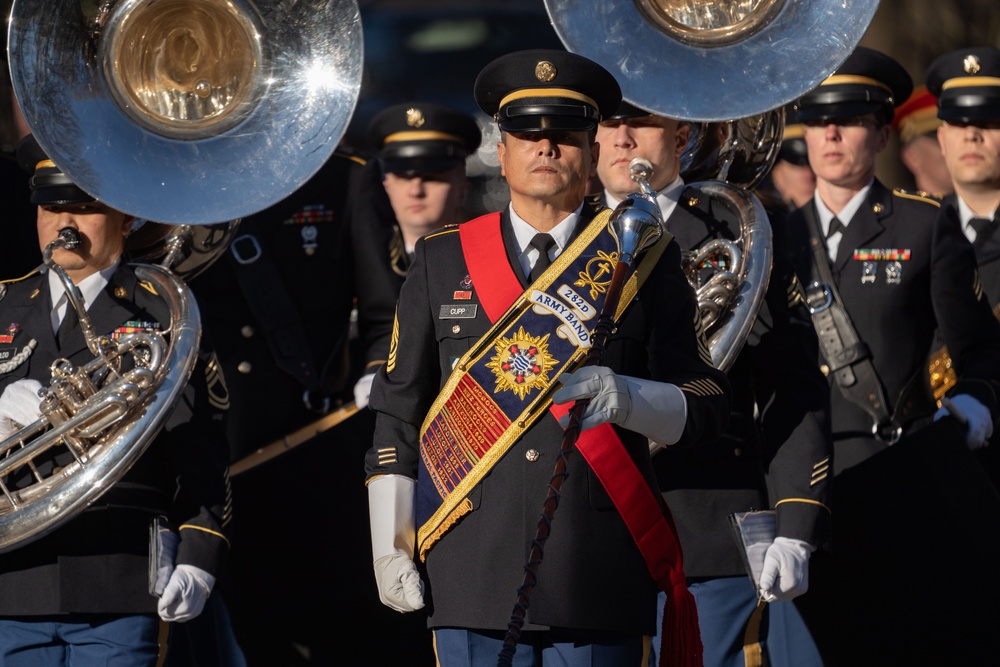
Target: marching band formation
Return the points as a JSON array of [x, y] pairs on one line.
[[366, 423]]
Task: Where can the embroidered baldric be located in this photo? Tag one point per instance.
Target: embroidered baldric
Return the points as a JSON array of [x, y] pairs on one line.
[[504, 382]]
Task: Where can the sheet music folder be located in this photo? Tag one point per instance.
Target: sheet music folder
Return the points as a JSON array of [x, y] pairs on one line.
[[754, 532]]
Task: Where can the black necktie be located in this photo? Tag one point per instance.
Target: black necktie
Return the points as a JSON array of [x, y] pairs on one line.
[[835, 226], [542, 243], [70, 323], [984, 230]]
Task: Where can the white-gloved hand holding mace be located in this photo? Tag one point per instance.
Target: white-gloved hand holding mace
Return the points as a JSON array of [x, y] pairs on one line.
[[657, 410]]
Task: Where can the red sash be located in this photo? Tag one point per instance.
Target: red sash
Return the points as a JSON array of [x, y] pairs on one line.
[[644, 512]]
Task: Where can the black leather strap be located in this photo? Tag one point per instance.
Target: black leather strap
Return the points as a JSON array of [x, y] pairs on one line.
[[847, 356]]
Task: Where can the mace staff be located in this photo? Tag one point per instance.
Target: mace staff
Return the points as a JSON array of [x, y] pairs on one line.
[[636, 224]]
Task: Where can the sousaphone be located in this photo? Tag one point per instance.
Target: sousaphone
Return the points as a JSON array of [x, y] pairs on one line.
[[727, 67], [189, 115]]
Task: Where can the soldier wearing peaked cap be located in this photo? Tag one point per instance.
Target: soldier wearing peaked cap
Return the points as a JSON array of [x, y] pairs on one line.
[[84, 588], [465, 404], [967, 82], [279, 303], [968, 115], [916, 122], [776, 456], [885, 270], [422, 149]]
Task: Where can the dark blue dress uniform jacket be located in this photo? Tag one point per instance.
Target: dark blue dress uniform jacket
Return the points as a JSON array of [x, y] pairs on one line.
[[987, 254], [779, 431], [939, 287], [593, 576], [323, 249], [97, 562], [988, 260]]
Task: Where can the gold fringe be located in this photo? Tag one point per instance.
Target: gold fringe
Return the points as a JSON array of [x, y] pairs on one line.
[[463, 508]]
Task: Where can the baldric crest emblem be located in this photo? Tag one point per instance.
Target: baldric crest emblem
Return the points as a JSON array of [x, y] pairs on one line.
[[521, 363]]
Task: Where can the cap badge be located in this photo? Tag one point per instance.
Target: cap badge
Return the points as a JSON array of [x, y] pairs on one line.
[[414, 117], [545, 71], [971, 64]]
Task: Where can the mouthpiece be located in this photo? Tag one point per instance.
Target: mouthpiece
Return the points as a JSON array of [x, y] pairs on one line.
[[641, 170], [70, 237]]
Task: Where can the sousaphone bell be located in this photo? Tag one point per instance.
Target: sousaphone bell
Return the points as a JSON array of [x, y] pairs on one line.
[[182, 113]]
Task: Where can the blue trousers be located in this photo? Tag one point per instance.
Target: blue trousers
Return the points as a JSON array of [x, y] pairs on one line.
[[457, 647], [725, 605], [79, 640]]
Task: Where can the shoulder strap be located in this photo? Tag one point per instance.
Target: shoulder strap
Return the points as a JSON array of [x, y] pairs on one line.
[[848, 357]]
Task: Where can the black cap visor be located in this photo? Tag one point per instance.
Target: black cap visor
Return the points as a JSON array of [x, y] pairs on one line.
[[54, 188], [541, 117], [969, 105], [399, 157], [843, 102], [420, 165]]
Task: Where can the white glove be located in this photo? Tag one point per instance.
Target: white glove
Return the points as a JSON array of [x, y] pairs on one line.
[[185, 594], [19, 406], [391, 512], [970, 413], [363, 389], [657, 410], [786, 569]]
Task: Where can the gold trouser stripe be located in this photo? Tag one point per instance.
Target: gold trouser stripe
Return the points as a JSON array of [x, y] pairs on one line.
[[162, 640], [753, 653]]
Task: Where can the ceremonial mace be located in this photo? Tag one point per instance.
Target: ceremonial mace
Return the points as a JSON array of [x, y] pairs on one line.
[[636, 224]]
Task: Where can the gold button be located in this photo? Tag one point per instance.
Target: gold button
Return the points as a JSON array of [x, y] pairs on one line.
[[120, 292], [531, 455], [825, 369], [244, 367], [247, 331], [456, 329]]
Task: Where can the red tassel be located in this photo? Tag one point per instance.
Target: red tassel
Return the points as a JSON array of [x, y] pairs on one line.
[[680, 636]]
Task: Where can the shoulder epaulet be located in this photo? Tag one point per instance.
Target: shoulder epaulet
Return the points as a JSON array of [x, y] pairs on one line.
[[918, 195], [595, 201], [447, 229], [24, 277], [350, 153]]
